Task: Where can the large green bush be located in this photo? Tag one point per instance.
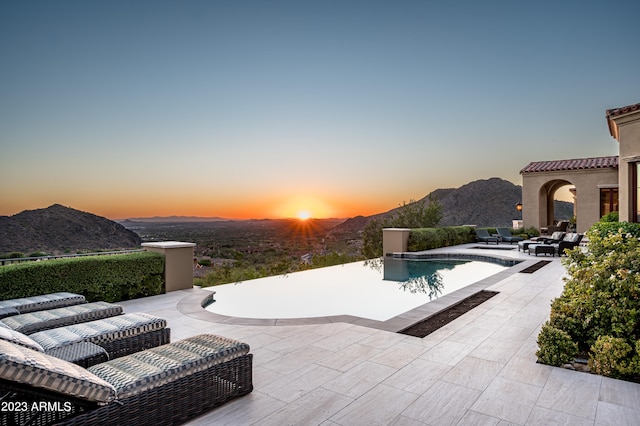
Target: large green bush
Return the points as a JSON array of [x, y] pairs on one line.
[[600, 305], [430, 238], [110, 278], [555, 346], [614, 357]]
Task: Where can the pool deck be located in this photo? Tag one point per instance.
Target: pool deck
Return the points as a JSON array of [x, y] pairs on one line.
[[479, 369]]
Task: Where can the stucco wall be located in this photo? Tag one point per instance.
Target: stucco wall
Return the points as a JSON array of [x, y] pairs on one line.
[[629, 138], [587, 183]]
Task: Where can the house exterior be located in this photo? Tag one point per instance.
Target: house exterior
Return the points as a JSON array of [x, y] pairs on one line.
[[624, 126], [602, 184]]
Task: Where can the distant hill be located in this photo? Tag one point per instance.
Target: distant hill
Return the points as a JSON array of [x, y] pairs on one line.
[[172, 219], [58, 229], [485, 203]]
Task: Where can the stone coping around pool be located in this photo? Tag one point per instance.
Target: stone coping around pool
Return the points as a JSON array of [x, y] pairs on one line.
[[195, 303], [500, 260]]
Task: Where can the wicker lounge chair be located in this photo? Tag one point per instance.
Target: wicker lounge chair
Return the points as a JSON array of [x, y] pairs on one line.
[[169, 384], [482, 235], [568, 242], [117, 336], [38, 303], [33, 322], [561, 226], [505, 235], [555, 238]]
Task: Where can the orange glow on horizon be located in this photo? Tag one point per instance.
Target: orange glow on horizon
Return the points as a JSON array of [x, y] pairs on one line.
[[125, 205]]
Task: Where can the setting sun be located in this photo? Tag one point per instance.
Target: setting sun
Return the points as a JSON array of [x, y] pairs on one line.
[[302, 207], [304, 215]]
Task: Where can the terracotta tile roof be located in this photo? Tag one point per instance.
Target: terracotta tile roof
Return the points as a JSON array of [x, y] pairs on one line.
[[622, 110], [575, 164]]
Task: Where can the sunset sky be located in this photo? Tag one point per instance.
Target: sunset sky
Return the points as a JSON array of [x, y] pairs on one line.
[[253, 109]]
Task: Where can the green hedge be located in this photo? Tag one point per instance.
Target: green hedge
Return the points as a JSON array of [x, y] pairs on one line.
[[431, 238], [111, 278]]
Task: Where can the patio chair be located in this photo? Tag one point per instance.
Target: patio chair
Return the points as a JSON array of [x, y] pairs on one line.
[[560, 225], [482, 235], [114, 337], [524, 245], [506, 236], [33, 322], [38, 303], [555, 238], [169, 384], [570, 241]]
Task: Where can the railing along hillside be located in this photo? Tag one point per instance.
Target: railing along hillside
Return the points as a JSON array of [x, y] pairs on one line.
[[9, 261]]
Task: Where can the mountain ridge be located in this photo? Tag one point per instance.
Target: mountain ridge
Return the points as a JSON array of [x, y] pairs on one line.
[[483, 202], [62, 229]]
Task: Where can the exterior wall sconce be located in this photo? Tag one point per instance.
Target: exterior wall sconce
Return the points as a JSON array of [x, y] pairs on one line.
[[519, 207]]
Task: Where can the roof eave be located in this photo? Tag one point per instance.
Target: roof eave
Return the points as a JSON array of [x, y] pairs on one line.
[[613, 128], [619, 114]]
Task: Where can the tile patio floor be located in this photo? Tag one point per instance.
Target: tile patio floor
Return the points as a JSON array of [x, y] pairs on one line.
[[478, 370]]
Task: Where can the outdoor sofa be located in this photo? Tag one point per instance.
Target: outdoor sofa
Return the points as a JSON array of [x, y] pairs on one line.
[[95, 341], [168, 384], [33, 322], [38, 303]]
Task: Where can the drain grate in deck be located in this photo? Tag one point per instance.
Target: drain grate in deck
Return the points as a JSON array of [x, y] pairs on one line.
[[533, 268], [494, 247], [442, 318]]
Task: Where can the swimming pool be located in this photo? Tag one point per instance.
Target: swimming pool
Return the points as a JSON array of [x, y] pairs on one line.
[[374, 289]]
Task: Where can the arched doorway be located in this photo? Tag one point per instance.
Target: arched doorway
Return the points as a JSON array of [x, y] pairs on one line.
[[549, 194]]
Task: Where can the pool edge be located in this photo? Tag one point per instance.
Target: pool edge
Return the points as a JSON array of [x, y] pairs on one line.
[[194, 305]]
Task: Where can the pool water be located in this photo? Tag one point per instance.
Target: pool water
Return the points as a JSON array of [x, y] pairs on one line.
[[375, 289]]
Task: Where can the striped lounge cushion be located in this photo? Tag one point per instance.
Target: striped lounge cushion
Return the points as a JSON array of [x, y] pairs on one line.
[[99, 331], [45, 301], [52, 318], [22, 365], [141, 371], [15, 337]]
